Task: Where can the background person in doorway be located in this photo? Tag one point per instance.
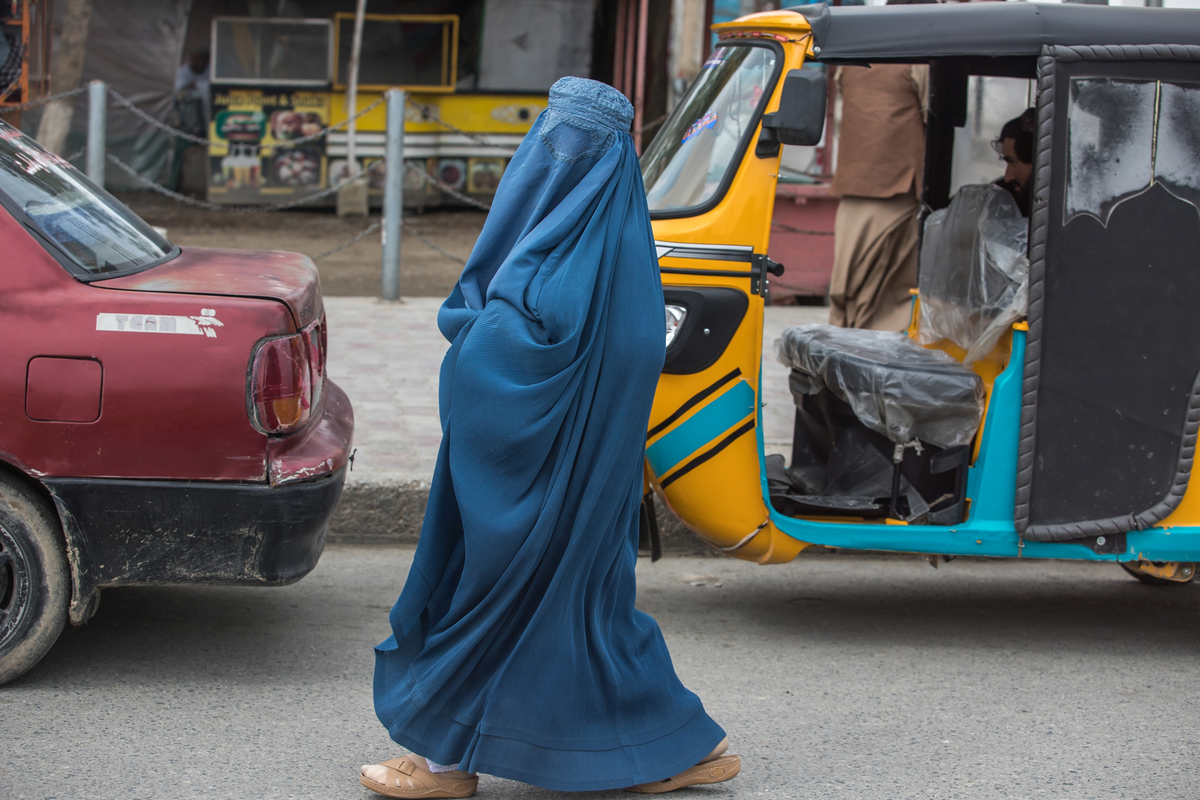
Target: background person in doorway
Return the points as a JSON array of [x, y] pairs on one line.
[[1015, 146], [881, 158]]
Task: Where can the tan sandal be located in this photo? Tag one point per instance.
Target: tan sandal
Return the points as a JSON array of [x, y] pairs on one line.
[[719, 769], [409, 776]]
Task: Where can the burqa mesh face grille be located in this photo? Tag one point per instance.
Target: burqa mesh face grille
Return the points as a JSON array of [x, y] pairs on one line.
[[568, 141]]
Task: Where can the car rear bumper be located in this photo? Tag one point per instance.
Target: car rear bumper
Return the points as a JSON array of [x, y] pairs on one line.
[[322, 448], [137, 533]]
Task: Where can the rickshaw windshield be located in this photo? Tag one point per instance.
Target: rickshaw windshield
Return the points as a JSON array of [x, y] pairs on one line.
[[699, 146]]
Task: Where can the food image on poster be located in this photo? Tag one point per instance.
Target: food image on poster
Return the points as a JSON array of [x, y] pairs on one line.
[[240, 168], [289, 125], [300, 166], [452, 172], [483, 174], [241, 126]]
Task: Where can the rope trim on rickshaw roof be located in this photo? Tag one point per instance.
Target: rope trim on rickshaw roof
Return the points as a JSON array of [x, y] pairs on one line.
[[779, 37]]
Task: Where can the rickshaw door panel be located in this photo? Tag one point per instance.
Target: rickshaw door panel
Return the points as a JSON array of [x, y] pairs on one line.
[[1112, 393]]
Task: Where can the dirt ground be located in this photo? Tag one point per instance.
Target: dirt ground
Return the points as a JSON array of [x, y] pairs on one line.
[[354, 271]]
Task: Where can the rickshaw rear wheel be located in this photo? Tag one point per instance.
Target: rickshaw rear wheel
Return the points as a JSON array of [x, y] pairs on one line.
[[1161, 573]]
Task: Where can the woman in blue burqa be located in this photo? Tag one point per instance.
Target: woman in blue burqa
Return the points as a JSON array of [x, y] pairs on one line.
[[516, 648]]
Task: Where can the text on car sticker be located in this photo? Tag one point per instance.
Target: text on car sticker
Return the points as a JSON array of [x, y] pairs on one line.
[[203, 324]]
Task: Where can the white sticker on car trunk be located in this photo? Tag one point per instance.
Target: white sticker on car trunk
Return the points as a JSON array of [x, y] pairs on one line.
[[203, 324]]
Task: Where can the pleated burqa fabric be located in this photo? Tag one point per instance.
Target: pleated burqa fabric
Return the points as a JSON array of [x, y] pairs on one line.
[[517, 650]]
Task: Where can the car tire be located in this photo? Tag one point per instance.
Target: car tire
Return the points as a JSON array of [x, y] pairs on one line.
[[35, 585]]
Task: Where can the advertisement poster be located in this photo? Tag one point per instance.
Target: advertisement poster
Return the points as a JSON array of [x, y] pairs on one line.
[[251, 160]]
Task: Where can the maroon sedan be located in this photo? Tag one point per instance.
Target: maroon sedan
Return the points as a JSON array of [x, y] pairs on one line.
[[164, 414]]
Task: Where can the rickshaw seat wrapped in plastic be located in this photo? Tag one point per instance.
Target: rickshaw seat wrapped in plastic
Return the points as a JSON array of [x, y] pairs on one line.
[[974, 277], [895, 386]]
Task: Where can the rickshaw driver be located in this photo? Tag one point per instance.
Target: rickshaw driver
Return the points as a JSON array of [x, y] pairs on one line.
[[1015, 146]]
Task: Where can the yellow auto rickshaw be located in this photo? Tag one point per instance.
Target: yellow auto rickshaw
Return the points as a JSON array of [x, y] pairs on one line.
[[1045, 400]]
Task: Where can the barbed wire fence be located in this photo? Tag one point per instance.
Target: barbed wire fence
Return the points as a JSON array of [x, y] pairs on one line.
[[427, 114]]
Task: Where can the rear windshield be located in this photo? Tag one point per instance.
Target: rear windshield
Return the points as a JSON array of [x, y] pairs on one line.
[[95, 232]]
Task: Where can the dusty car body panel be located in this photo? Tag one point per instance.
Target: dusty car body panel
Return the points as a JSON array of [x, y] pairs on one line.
[[320, 449], [288, 277], [145, 427], [136, 533]]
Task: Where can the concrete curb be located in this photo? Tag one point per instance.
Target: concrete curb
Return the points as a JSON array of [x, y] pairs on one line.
[[377, 513]]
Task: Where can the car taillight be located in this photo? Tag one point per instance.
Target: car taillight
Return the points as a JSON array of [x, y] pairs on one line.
[[315, 341], [286, 379]]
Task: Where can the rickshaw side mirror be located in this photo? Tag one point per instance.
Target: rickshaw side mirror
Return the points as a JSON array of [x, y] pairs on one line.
[[800, 119]]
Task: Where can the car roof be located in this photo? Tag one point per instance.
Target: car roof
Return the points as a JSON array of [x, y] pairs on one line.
[[921, 32]]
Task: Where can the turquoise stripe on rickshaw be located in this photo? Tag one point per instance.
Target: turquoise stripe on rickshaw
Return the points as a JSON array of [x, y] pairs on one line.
[[701, 428]]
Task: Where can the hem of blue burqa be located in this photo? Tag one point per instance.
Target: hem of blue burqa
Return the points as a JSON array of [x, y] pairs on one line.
[[570, 767]]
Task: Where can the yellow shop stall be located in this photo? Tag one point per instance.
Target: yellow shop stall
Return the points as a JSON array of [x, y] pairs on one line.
[[277, 83]]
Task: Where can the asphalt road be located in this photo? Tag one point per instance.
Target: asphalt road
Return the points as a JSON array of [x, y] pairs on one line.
[[835, 676]]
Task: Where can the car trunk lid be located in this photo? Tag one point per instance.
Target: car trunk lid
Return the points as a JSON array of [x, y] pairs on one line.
[[290, 278]]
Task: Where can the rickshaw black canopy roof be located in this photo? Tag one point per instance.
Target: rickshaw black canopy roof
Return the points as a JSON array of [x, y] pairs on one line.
[[921, 32]]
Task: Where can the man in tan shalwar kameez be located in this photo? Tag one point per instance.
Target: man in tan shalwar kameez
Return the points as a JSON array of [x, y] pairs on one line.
[[881, 157]]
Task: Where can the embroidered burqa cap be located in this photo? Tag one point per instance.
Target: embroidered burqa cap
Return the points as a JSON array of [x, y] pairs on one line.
[[516, 647]]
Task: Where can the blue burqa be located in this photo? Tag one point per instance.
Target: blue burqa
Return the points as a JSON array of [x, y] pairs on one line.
[[516, 647]]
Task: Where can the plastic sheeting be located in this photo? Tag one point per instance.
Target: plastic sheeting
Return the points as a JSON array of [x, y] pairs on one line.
[[1177, 147], [1111, 126], [136, 47], [974, 277], [895, 386]]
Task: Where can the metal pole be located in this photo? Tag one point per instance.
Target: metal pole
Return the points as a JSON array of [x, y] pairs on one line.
[[97, 114], [639, 88], [619, 48], [393, 194], [352, 86], [630, 50]]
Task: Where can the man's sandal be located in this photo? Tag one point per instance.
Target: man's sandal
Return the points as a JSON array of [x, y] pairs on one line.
[[719, 769], [409, 776]]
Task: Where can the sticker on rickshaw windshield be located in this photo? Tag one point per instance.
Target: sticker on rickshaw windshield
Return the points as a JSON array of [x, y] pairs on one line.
[[709, 120], [717, 58]]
